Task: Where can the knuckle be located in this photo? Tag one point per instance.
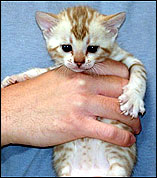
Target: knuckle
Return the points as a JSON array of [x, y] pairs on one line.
[[111, 133], [81, 100], [126, 138], [80, 81], [81, 84], [119, 137]]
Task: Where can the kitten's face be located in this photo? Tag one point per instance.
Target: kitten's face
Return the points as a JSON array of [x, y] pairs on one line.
[[76, 54], [79, 37]]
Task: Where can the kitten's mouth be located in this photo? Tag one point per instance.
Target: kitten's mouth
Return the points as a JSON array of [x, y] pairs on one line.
[[77, 69], [80, 69]]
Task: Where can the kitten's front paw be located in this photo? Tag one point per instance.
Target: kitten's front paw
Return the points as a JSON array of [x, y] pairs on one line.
[[131, 102], [9, 80]]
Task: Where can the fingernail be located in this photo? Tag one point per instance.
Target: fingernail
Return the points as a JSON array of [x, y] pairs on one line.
[[137, 131]]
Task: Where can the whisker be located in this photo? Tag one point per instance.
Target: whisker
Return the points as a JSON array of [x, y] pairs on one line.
[[99, 69], [91, 71], [95, 71], [64, 70], [61, 69]]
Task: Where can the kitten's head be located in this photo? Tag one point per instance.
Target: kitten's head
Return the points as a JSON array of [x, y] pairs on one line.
[[79, 37]]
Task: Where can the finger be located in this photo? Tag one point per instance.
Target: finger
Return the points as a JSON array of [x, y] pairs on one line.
[[106, 132], [110, 67], [111, 86], [109, 108]]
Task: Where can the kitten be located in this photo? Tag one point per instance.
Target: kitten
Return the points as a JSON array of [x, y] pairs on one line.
[[80, 38]]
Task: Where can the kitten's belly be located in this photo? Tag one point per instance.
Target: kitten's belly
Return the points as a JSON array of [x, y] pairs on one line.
[[89, 158]]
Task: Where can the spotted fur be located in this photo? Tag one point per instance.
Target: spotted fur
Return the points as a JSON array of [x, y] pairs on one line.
[[82, 27]]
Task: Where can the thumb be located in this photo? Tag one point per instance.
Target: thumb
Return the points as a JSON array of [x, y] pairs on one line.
[[107, 132]]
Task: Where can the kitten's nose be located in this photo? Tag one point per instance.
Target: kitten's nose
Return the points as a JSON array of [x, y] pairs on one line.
[[79, 58], [79, 64]]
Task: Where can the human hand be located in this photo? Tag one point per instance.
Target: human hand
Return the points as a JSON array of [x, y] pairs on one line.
[[61, 106]]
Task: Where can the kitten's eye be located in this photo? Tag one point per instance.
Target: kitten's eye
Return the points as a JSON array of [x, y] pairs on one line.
[[92, 49], [66, 48]]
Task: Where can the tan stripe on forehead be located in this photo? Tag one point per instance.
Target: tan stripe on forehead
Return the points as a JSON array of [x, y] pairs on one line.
[[69, 15], [79, 33], [79, 18], [79, 28]]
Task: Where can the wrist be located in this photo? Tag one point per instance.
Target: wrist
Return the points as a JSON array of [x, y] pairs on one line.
[[4, 129], [6, 119]]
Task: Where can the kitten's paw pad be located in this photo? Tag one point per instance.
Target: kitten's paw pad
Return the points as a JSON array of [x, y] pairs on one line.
[[9, 80], [131, 103]]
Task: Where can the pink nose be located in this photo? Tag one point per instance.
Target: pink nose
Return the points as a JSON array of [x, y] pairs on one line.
[[79, 58], [79, 63]]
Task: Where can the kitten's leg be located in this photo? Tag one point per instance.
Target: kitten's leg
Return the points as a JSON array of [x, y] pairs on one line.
[[120, 159], [26, 75], [131, 100], [62, 155], [22, 76]]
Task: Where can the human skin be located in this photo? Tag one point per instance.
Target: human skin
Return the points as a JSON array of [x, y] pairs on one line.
[[61, 106]]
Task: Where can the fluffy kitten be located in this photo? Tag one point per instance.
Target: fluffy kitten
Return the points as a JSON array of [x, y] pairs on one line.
[[80, 38]]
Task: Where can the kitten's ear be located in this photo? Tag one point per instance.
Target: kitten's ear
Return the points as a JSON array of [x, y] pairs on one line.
[[46, 22], [113, 22]]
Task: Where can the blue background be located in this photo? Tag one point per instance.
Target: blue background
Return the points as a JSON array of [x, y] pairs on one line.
[[23, 48]]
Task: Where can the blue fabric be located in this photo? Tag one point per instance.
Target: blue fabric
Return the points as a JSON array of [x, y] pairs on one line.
[[23, 47]]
